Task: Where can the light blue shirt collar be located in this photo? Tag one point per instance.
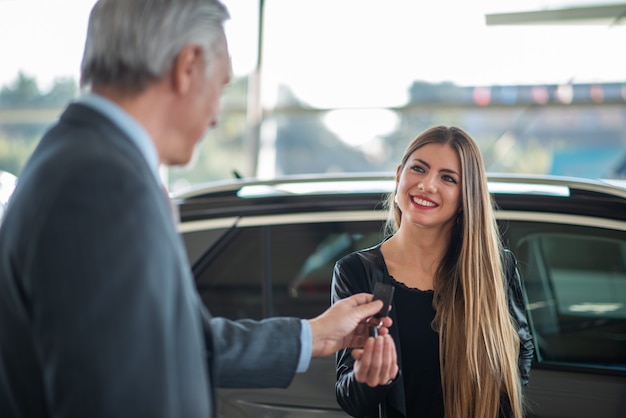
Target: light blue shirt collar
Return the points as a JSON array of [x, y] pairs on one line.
[[126, 123]]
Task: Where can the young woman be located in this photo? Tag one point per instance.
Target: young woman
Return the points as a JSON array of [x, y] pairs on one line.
[[463, 344]]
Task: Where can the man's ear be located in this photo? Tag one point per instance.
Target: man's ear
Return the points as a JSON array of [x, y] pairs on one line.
[[187, 65]]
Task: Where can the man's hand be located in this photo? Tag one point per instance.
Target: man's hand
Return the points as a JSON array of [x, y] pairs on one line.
[[345, 324], [376, 363]]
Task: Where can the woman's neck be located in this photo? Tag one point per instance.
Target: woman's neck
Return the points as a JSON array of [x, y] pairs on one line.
[[413, 255]]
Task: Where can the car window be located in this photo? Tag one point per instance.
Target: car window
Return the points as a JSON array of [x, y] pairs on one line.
[[294, 261], [301, 287], [575, 280], [197, 242], [229, 276]]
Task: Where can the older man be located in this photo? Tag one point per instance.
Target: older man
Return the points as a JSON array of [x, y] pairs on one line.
[[99, 316]]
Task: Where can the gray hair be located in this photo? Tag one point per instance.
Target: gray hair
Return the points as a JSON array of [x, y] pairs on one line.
[[131, 42]]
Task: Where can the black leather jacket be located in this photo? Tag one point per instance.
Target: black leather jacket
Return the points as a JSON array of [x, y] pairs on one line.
[[358, 272]]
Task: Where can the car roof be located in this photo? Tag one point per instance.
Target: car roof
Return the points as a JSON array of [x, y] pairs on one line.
[[366, 191]]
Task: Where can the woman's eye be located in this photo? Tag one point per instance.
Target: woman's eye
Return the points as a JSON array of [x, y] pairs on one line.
[[417, 168], [449, 179]]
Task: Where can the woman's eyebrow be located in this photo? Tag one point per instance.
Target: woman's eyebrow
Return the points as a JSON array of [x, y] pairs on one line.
[[443, 170], [423, 162], [447, 170]]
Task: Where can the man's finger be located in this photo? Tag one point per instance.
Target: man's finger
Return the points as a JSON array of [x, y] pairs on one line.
[[368, 309], [361, 298]]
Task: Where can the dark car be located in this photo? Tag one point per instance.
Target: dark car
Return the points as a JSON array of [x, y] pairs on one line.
[[266, 248]]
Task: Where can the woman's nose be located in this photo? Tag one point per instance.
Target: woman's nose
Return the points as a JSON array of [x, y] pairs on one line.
[[428, 184]]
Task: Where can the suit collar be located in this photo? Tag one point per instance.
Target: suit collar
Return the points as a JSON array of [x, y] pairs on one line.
[[127, 124]]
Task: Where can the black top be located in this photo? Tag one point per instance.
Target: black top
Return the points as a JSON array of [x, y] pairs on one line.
[[420, 351]]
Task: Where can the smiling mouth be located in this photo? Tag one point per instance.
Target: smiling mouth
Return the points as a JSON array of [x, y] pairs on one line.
[[423, 202]]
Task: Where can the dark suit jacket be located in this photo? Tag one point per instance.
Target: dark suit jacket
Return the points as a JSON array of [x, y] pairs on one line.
[[358, 272], [99, 316]]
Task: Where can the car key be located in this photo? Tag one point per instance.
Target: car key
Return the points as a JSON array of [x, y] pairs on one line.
[[382, 292]]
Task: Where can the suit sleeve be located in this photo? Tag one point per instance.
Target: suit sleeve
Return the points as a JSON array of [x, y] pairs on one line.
[[113, 314], [517, 308], [357, 399], [255, 354]]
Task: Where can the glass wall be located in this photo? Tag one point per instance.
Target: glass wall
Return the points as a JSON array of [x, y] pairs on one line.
[[343, 86], [348, 84]]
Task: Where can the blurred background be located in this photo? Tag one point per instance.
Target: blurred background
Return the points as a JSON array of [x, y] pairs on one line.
[[339, 86]]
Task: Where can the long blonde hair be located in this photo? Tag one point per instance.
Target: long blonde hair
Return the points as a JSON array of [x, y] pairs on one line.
[[478, 343]]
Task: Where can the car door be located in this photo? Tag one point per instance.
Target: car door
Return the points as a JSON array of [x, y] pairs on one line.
[[281, 266], [574, 275]]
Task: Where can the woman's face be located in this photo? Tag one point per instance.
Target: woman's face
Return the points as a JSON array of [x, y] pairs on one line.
[[429, 186]]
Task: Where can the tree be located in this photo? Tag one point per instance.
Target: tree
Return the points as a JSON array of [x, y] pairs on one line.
[[24, 91], [63, 90]]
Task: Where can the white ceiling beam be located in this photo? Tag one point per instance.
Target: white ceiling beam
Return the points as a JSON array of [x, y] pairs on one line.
[[608, 15]]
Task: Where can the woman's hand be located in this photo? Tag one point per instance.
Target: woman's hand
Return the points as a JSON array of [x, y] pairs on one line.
[[376, 363]]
